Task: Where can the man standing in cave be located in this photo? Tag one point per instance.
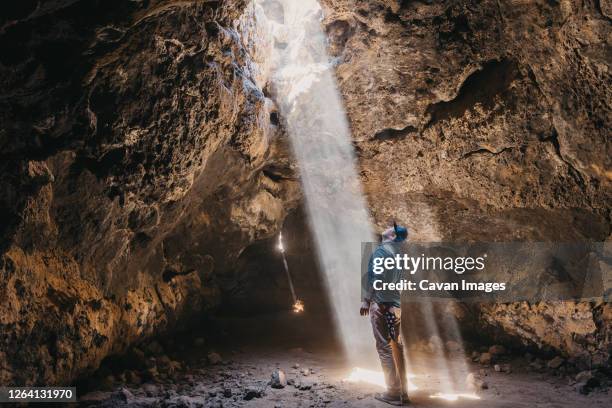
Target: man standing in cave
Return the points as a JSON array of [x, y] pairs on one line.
[[385, 312]]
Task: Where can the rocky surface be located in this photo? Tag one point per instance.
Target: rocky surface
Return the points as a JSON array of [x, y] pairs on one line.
[[489, 111], [294, 370], [486, 121], [138, 159], [140, 155]]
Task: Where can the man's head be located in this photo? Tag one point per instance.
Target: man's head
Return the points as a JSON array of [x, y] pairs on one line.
[[401, 233], [396, 233]]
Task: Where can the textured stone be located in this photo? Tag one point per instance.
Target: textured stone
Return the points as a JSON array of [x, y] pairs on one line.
[[141, 154], [279, 379], [130, 134], [494, 114]]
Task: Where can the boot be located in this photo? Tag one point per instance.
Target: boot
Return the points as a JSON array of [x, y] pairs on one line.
[[393, 399]]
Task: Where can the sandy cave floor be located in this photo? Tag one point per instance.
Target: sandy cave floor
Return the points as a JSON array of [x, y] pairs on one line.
[[316, 374]]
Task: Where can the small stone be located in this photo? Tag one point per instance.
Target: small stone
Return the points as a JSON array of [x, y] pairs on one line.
[[214, 358], [305, 386], [502, 368], [150, 390], [475, 356], [251, 393], [124, 395], [279, 380], [497, 350], [556, 363], [296, 366], [305, 372], [485, 358], [291, 381]]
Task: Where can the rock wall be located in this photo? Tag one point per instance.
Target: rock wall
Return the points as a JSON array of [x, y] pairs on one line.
[[486, 121], [138, 159], [140, 154]]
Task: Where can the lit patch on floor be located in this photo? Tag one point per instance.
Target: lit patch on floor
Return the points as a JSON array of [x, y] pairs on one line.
[[374, 377], [454, 397]]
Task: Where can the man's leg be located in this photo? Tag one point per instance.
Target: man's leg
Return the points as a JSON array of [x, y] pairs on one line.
[[398, 350], [381, 335]]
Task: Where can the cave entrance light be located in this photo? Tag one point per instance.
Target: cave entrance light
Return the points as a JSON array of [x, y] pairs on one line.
[[303, 83], [292, 51]]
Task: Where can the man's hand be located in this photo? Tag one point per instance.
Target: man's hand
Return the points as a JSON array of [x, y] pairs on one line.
[[365, 308]]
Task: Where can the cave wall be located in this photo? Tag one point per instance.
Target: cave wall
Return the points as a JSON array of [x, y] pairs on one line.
[[486, 121], [138, 160], [141, 155]]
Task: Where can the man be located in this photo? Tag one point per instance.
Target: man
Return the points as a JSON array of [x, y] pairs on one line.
[[384, 310]]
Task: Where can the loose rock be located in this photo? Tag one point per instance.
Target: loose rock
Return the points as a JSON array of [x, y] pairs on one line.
[[251, 393], [583, 376], [279, 380], [556, 362]]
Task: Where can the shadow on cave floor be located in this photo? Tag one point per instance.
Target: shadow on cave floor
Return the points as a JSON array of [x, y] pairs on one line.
[[230, 361]]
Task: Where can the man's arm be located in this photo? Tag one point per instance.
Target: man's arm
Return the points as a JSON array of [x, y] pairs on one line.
[[369, 289]]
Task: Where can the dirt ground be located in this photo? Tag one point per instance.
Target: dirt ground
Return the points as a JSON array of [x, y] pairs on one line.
[[237, 373]]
